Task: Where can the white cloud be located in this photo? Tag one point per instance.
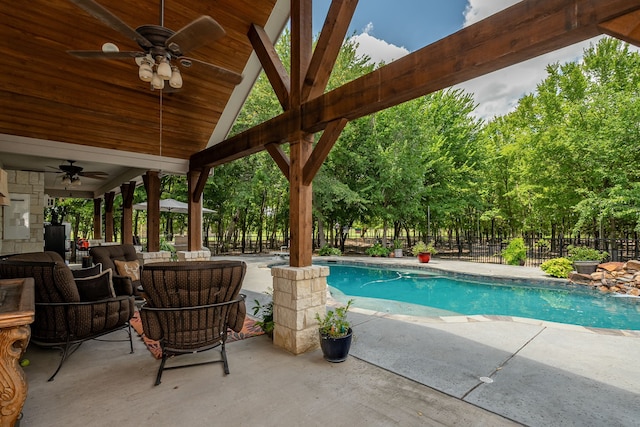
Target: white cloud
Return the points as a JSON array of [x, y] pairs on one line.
[[378, 50], [498, 93]]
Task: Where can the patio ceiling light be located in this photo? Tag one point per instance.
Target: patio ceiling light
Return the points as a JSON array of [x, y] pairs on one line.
[[158, 71]]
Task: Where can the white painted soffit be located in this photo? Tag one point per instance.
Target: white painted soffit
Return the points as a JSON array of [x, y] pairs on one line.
[[274, 28]]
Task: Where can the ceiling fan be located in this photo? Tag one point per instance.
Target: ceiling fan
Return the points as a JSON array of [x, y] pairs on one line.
[[72, 173], [160, 46]]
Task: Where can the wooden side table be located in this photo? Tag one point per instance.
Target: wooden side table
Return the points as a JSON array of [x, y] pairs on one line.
[[17, 309]]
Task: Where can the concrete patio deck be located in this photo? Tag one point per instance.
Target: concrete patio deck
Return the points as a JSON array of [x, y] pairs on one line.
[[403, 370]]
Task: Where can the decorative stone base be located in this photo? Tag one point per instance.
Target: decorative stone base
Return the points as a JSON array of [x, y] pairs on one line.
[[151, 257], [202, 255], [298, 294]]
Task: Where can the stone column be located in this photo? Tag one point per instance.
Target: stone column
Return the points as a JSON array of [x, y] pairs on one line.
[[298, 294]]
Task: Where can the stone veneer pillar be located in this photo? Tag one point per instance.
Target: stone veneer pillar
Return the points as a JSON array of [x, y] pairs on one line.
[[298, 294]]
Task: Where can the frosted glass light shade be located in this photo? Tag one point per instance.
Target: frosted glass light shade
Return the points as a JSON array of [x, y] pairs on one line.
[[145, 72], [164, 69], [157, 82], [176, 78]]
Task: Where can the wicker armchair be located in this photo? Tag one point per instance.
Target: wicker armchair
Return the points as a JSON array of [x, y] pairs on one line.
[[190, 306], [69, 313]]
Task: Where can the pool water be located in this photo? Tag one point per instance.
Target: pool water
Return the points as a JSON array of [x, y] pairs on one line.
[[434, 294]]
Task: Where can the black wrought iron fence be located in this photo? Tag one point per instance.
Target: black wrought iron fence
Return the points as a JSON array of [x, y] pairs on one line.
[[538, 249]]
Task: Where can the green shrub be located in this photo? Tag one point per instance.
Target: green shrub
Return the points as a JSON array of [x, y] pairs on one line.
[[377, 250], [265, 313], [327, 250], [583, 253], [557, 267], [516, 252]]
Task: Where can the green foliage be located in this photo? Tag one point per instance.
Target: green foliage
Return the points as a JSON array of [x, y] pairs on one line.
[[397, 244], [334, 323], [327, 250], [557, 267], [516, 252], [421, 247], [377, 250], [583, 253], [265, 314]]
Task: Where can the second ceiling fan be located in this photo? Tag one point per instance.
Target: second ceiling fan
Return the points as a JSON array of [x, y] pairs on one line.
[[160, 46]]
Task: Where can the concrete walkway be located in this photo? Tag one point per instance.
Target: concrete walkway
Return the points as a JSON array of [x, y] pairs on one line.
[[403, 370]]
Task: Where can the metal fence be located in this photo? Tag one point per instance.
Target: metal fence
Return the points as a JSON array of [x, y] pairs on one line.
[[539, 249]]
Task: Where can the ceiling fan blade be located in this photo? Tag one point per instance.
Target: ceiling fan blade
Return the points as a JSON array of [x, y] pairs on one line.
[[98, 54], [217, 72], [200, 31], [111, 20], [94, 175]]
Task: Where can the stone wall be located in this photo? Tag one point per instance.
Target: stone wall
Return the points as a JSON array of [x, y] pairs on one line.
[[32, 183], [619, 277]]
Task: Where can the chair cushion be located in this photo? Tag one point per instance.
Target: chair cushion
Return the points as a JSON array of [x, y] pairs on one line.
[[130, 269], [87, 272], [95, 288]]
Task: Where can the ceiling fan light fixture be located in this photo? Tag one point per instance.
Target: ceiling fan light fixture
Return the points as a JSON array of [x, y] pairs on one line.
[[164, 69], [176, 78], [66, 180], [146, 71], [157, 82]]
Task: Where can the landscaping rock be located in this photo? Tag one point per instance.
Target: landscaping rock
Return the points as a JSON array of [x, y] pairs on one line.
[[622, 278]]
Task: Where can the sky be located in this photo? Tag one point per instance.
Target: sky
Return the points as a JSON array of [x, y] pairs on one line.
[[387, 30]]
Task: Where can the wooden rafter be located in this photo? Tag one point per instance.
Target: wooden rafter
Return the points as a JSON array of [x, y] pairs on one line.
[[525, 30], [329, 43], [280, 157], [271, 63], [625, 27], [322, 149]]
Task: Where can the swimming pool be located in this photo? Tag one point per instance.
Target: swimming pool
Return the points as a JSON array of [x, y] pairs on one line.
[[427, 293]]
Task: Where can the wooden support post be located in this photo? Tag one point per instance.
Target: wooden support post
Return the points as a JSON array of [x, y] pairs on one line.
[[127, 212], [97, 218], [194, 224], [300, 199], [151, 182], [108, 216]]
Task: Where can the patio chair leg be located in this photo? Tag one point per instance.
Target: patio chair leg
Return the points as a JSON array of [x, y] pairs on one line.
[[224, 359], [66, 351], [130, 338], [164, 359]]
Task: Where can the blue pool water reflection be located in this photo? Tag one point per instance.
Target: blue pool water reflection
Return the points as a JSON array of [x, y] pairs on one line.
[[426, 293]]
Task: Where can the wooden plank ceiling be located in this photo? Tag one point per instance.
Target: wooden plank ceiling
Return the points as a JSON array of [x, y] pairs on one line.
[[46, 93]]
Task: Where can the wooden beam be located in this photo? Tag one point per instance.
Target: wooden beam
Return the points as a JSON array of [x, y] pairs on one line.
[[329, 43], [301, 47], [280, 157], [271, 63], [199, 187], [322, 149], [246, 143], [523, 31], [625, 27]]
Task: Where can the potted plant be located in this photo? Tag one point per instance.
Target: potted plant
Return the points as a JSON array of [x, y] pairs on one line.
[[423, 251], [516, 252], [397, 248], [265, 313], [585, 260], [335, 333]]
